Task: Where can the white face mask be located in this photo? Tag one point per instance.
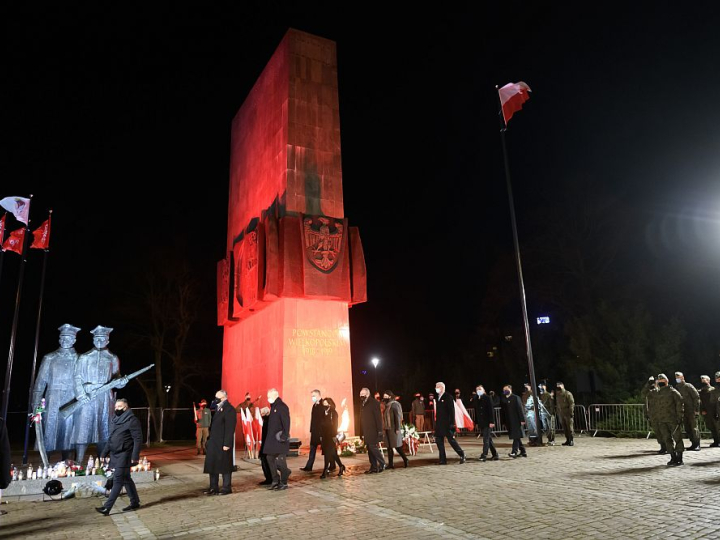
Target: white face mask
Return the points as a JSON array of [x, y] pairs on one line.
[[437, 391], [314, 399], [480, 392], [678, 380], [271, 400]]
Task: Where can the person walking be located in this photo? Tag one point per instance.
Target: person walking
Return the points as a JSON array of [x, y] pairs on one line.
[[277, 444], [515, 418], [691, 400], [485, 420], [123, 445], [203, 419], [565, 407], [328, 437], [547, 413], [317, 415], [445, 424], [418, 410], [264, 412], [372, 427], [393, 428], [669, 419], [709, 408], [219, 447]]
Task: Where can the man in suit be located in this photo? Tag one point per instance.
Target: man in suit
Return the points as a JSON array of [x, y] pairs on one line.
[[372, 426], [485, 420], [445, 424], [123, 446], [277, 442], [316, 417], [219, 446]]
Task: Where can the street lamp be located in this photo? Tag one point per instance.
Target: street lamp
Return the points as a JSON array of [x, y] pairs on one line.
[[375, 361]]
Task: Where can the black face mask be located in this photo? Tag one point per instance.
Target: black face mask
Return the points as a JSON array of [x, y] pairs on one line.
[[541, 391], [214, 404], [662, 383], [119, 412], [386, 400]]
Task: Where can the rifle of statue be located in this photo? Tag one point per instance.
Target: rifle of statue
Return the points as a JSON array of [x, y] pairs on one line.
[[69, 408]]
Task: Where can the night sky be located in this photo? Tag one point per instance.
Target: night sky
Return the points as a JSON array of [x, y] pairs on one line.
[[118, 118]]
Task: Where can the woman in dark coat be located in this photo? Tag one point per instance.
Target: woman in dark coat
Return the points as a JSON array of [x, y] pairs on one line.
[[515, 418], [328, 432]]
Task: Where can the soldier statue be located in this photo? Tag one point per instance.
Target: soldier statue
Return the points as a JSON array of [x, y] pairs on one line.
[[93, 369], [54, 382]]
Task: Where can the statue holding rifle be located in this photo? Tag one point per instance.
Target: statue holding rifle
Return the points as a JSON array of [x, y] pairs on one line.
[[93, 370]]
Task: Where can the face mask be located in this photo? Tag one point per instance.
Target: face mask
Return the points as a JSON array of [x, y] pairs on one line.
[[662, 383], [705, 383], [271, 401], [506, 392], [314, 399], [678, 380], [541, 390], [386, 399], [480, 392], [247, 399], [437, 391], [119, 412], [559, 388], [214, 402]]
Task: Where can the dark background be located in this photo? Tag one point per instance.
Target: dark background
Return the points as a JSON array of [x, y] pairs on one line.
[[118, 119]]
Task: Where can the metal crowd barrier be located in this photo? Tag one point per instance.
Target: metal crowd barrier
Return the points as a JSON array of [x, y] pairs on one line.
[[619, 418]]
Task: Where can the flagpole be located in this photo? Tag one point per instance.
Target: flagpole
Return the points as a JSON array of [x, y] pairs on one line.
[[35, 354], [13, 333], [2, 251], [523, 299]]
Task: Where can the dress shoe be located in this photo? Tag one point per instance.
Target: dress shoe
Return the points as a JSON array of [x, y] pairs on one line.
[[714, 445], [265, 483], [306, 469], [513, 455], [524, 454], [324, 475], [273, 486], [695, 448], [482, 458], [210, 492], [102, 510], [442, 462], [405, 462], [662, 452], [381, 468], [281, 487], [371, 471], [463, 459], [131, 507], [495, 458], [390, 467], [342, 470], [225, 492], [571, 443]]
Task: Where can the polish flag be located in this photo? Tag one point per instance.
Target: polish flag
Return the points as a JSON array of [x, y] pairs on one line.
[[41, 236], [512, 97], [462, 417], [257, 426], [17, 206], [2, 229]]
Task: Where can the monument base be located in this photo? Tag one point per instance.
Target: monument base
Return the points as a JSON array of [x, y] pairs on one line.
[[25, 489]]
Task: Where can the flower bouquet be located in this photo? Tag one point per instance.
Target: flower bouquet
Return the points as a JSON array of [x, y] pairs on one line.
[[411, 438]]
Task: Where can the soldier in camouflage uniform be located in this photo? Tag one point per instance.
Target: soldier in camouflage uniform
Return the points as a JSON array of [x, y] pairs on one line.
[[709, 408], [668, 413], [649, 394], [691, 398], [565, 407], [547, 413]]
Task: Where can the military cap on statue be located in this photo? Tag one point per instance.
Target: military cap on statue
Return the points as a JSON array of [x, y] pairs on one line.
[[101, 331], [68, 330]]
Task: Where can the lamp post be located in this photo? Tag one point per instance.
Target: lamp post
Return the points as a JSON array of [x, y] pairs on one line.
[[375, 361]]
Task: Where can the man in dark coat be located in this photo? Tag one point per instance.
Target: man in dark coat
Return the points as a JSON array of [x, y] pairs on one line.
[[485, 420], [277, 443], [317, 415], [445, 424], [515, 417], [372, 426], [5, 475], [219, 446], [264, 412], [124, 448]]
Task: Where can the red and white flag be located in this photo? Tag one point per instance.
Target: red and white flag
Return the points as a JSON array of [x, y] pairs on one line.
[[17, 206], [14, 242], [2, 229], [462, 417], [257, 426], [41, 236], [247, 428], [512, 97]]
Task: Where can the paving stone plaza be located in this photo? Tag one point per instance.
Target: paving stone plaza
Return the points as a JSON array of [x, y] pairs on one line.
[[601, 488]]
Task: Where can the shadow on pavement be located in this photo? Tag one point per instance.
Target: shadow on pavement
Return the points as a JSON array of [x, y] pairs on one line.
[[621, 472], [632, 456]]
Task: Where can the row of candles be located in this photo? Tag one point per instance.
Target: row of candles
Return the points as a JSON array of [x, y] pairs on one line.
[[61, 469]]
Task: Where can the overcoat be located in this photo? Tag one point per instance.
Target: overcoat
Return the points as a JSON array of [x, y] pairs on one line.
[[371, 420], [125, 440], [278, 432], [222, 433]]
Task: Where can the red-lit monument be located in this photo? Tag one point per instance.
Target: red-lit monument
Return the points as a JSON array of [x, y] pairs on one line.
[[294, 266]]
